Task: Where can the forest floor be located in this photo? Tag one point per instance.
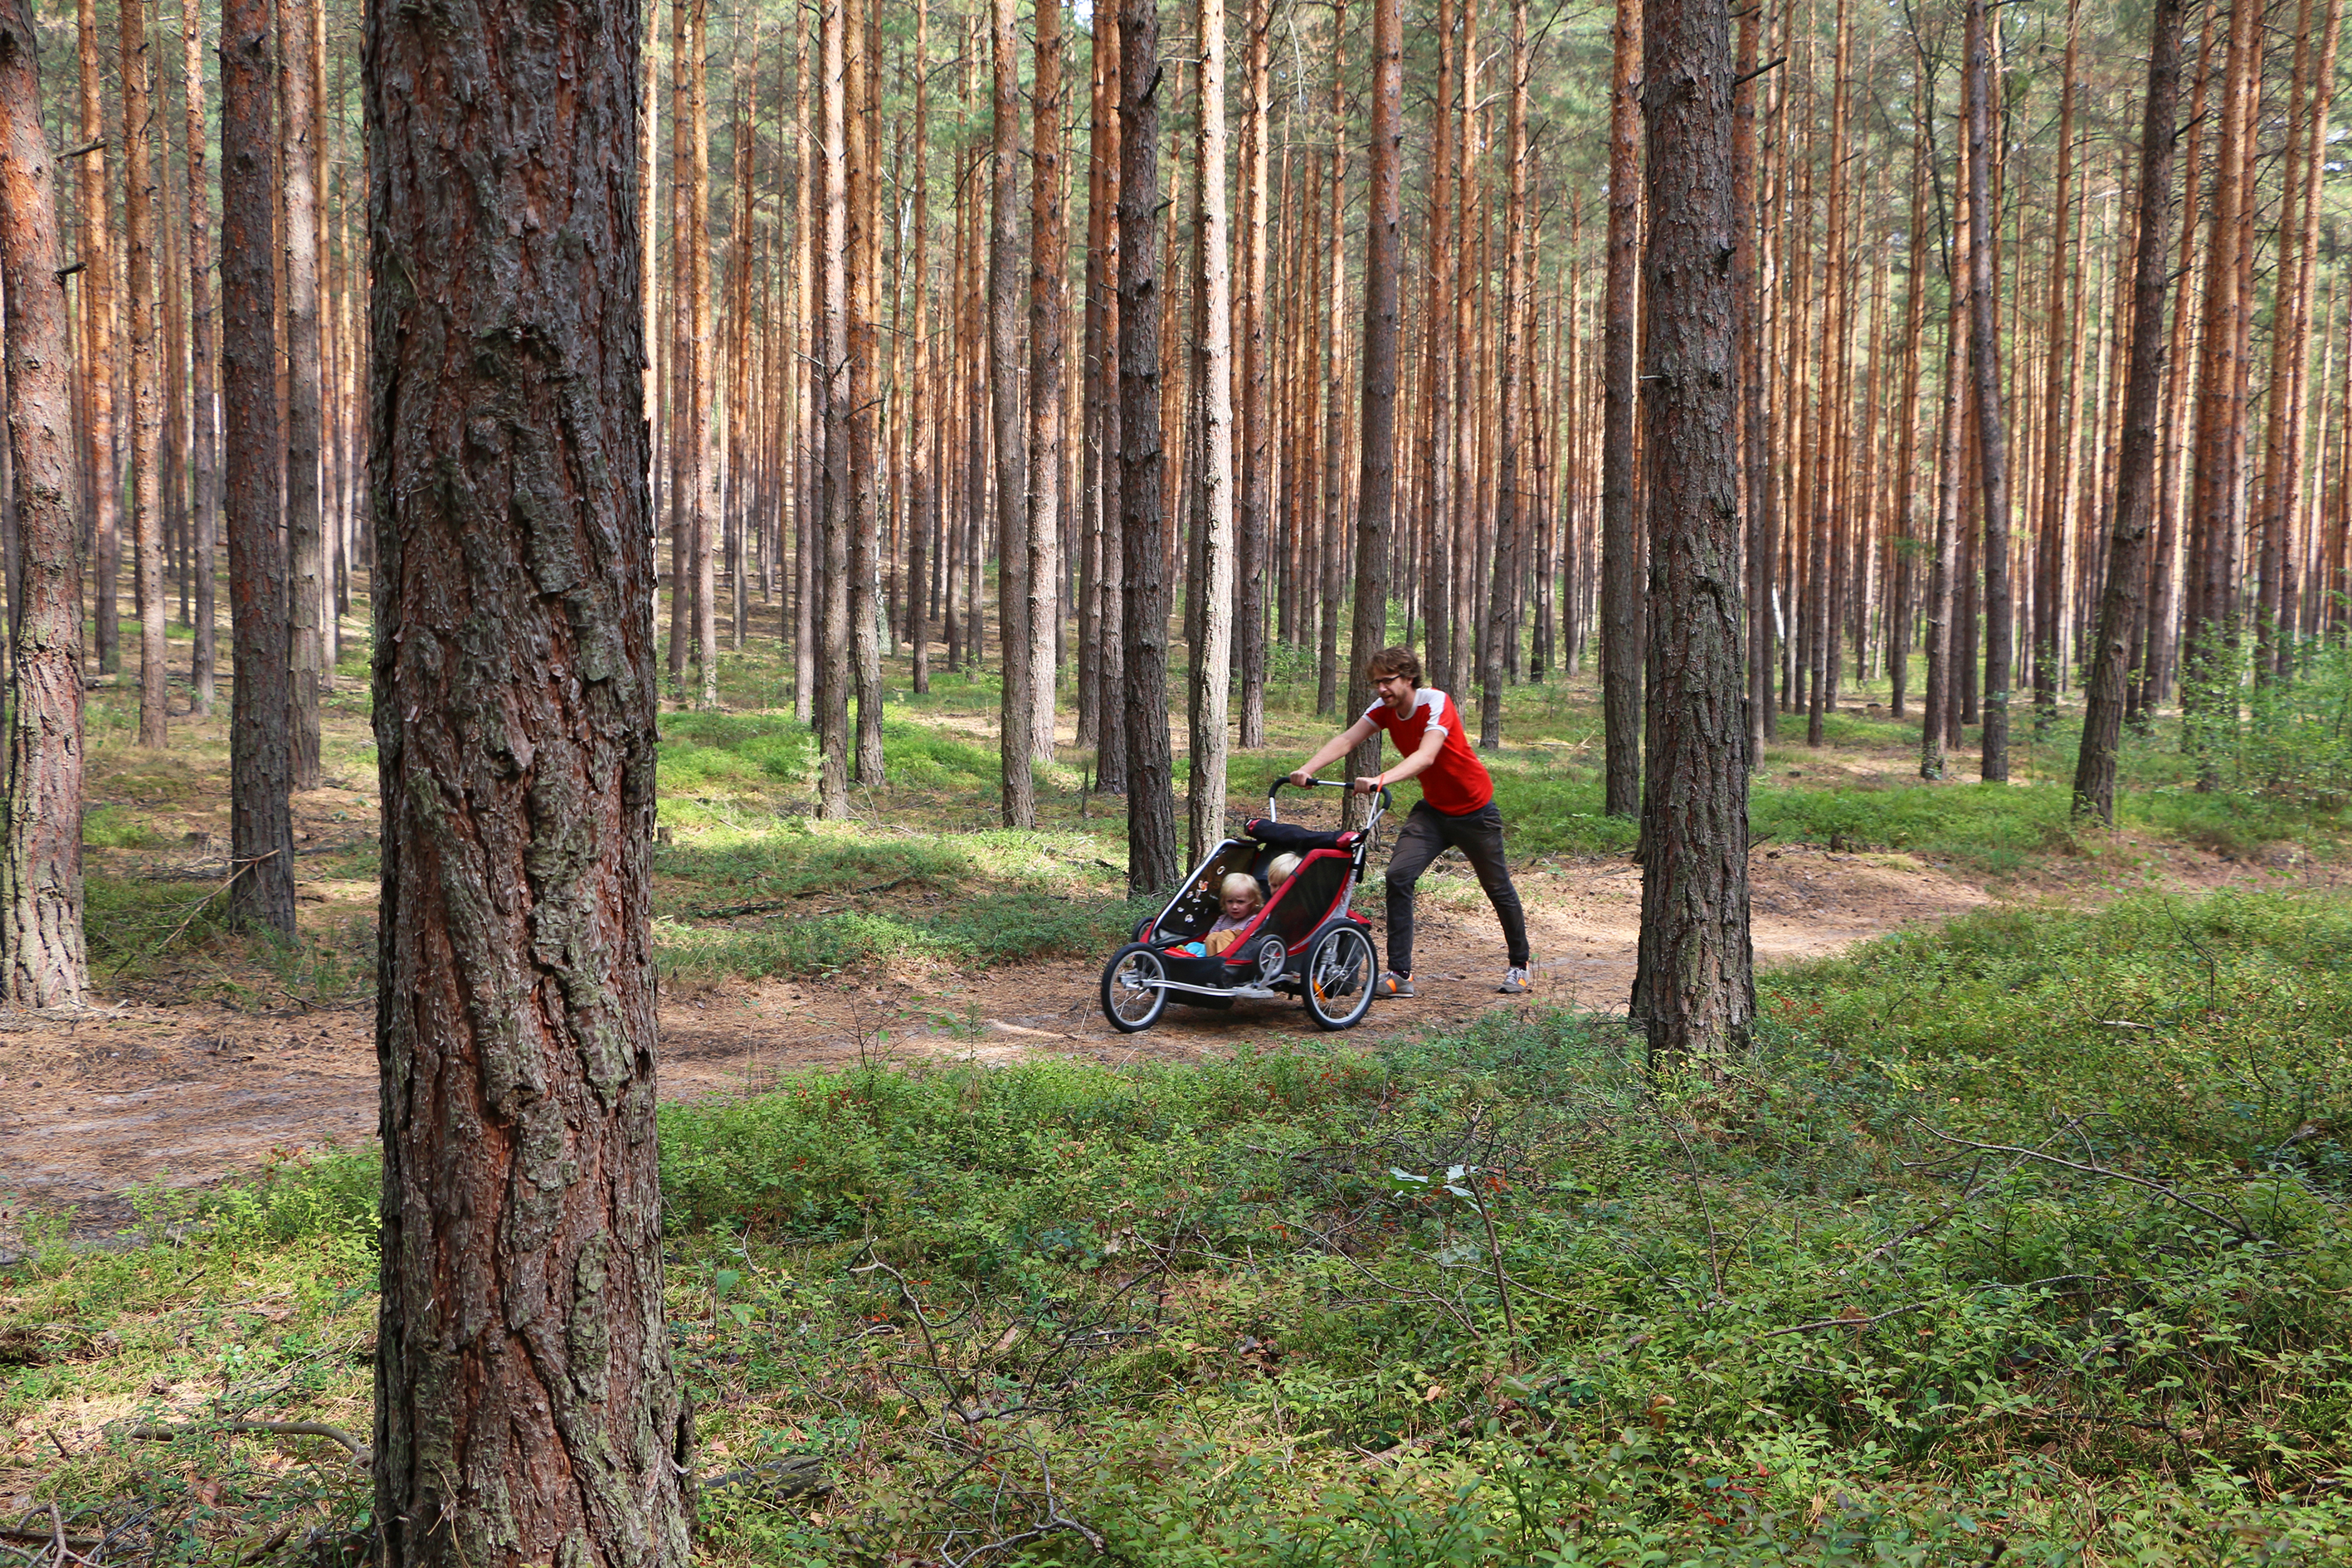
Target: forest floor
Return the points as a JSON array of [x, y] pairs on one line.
[[209, 1055], [1791, 1309]]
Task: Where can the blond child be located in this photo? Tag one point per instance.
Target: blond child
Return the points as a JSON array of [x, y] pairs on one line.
[[1240, 899]]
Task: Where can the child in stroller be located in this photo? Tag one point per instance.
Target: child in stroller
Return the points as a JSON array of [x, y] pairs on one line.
[[1305, 940]]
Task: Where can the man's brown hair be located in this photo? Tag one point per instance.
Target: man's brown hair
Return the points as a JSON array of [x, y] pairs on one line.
[[1394, 661]]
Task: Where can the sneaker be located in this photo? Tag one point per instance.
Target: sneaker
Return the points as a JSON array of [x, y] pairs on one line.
[[1389, 987], [1514, 982]]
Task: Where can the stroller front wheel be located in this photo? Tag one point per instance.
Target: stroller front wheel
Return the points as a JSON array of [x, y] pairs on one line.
[[1132, 997], [1339, 970]]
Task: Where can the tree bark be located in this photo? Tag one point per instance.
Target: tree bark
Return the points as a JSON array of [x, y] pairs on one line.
[[1438, 416], [833, 400], [41, 943], [1112, 674], [1049, 248], [304, 515], [2136, 482], [1503, 581], [1257, 457], [1696, 962], [526, 1408], [204, 464], [144, 430], [1992, 441], [1376, 472], [1017, 709], [866, 390], [104, 477], [1621, 531], [1151, 862], [1212, 653], [1942, 686], [261, 757], [699, 471], [2059, 421]]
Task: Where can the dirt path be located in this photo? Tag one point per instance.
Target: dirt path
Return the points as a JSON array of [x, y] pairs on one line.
[[188, 1094]]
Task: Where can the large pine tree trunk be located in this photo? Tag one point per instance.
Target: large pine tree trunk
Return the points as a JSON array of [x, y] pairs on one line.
[[1621, 532], [261, 756], [2135, 483], [205, 453], [1992, 441], [1697, 976], [1212, 649], [526, 1410], [304, 515], [1151, 863], [1017, 709], [41, 944], [146, 425]]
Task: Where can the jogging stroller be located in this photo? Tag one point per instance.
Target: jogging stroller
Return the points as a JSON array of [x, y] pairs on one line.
[[1305, 940]]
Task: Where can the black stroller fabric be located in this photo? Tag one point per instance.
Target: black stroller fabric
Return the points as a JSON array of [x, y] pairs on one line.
[[1297, 839]]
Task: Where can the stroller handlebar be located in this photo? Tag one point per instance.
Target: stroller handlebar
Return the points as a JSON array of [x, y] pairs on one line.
[[1380, 797]]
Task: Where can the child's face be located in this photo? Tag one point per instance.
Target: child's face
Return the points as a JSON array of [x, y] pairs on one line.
[[1238, 904]]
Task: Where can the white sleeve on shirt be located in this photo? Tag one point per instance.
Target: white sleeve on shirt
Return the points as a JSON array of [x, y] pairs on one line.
[[1429, 697]]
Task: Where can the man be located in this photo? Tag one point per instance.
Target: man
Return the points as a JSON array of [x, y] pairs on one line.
[[1457, 808]]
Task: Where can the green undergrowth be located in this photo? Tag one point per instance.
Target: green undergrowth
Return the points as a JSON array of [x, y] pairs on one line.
[[793, 897], [2026, 1238]]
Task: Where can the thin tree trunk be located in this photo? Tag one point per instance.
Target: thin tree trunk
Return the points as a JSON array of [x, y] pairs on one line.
[[866, 390], [145, 431], [1621, 532], [2209, 639], [923, 520], [699, 472], [1017, 710], [104, 477], [1383, 255], [1213, 650], [832, 686], [41, 943], [1992, 445], [1257, 459], [205, 457], [1951, 476], [261, 759], [1335, 407], [1696, 978], [1048, 374], [1111, 748], [1503, 583], [2059, 416], [1151, 862], [1901, 534], [2135, 483], [305, 412]]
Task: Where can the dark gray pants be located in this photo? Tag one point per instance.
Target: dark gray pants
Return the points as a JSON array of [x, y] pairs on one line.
[[1429, 833]]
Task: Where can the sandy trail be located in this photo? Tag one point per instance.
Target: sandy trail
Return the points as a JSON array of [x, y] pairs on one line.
[[191, 1093]]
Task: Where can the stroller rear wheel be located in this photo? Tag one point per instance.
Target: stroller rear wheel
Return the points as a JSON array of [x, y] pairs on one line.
[[1339, 970], [1132, 996]]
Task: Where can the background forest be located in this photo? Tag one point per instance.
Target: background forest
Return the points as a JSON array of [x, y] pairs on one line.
[[2017, 1236]]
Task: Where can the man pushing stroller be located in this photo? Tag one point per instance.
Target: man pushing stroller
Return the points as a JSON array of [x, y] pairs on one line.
[[1457, 808]]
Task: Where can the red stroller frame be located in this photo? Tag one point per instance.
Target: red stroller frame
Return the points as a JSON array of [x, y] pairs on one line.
[[1306, 940]]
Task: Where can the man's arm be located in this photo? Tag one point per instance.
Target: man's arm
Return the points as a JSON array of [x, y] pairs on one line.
[[1338, 745], [1432, 741]]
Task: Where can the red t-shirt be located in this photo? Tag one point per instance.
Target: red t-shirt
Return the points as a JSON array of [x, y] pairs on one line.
[[1456, 782]]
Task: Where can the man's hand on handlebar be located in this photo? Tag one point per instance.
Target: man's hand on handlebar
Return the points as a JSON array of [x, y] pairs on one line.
[[1367, 787], [1302, 779]]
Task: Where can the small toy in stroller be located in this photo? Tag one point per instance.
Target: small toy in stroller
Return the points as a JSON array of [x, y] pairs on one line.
[[1305, 940]]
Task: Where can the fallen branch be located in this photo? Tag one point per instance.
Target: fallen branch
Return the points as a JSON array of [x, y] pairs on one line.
[[153, 1433], [2233, 1226], [198, 907], [730, 912]]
